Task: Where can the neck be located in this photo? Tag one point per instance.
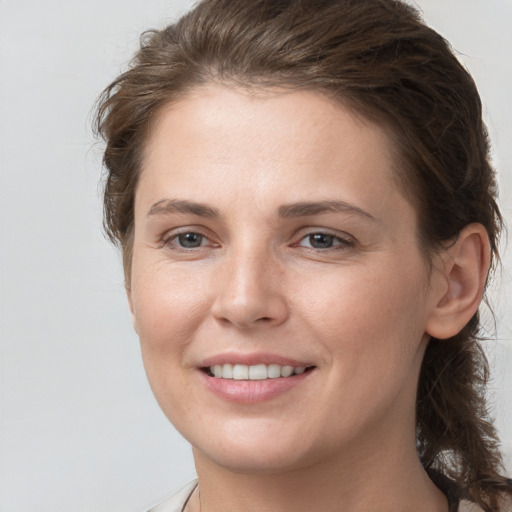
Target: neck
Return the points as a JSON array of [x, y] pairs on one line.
[[388, 480]]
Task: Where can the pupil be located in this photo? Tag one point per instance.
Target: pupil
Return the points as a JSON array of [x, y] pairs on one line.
[[321, 240], [190, 240]]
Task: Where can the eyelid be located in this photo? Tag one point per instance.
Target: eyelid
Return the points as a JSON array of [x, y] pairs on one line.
[[172, 234], [345, 238]]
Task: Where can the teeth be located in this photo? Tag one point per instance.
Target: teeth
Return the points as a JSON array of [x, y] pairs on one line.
[[254, 372], [227, 371], [286, 371], [273, 371], [258, 372], [240, 372]]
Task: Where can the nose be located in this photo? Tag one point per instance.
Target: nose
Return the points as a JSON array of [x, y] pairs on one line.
[[250, 291]]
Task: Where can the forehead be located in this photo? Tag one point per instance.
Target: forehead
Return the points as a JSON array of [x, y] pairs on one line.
[[267, 147], [243, 114]]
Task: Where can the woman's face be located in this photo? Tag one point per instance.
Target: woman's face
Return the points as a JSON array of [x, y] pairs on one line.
[[271, 237]]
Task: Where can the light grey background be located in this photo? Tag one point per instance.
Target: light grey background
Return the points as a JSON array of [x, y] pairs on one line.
[[80, 430]]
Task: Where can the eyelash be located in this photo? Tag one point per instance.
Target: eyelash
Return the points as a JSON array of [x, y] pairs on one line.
[[337, 243], [172, 240]]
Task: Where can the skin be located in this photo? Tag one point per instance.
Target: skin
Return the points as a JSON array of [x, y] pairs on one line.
[[360, 311]]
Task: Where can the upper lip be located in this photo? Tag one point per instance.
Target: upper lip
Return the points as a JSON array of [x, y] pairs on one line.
[[253, 359]]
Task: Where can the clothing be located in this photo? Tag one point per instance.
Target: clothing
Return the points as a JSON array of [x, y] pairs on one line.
[[178, 501], [467, 506]]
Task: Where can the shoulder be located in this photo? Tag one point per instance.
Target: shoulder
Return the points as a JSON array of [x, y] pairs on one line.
[[177, 501]]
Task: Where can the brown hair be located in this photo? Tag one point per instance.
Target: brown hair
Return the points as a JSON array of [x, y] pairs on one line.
[[380, 59]]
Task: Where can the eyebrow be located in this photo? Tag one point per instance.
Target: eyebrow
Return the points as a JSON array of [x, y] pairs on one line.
[[305, 209], [165, 206], [300, 209]]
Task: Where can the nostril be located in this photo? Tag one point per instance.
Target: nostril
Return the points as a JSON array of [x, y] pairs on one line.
[[250, 308]]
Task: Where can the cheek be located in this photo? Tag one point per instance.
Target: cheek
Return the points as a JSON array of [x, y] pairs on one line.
[[373, 316], [166, 296], [169, 308], [374, 336], [170, 304]]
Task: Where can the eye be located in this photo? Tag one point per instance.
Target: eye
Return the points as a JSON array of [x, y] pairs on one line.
[[190, 240], [324, 241], [187, 240]]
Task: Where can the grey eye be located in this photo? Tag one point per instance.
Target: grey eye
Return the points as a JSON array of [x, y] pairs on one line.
[[321, 240], [190, 240]]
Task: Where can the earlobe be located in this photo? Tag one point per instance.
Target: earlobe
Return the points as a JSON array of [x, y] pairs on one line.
[[464, 269]]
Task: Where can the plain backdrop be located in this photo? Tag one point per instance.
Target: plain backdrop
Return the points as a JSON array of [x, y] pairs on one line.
[[80, 430]]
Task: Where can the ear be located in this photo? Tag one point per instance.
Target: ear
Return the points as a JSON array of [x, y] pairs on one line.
[[132, 309], [464, 267]]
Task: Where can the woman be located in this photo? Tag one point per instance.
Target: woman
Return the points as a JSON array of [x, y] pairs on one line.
[[304, 200]]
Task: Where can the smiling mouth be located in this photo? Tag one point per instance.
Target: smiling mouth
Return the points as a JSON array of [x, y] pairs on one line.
[[254, 372]]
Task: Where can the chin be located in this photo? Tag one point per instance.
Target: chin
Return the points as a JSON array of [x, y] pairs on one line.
[[249, 458], [254, 445]]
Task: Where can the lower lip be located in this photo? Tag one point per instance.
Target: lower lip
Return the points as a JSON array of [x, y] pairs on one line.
[[252, 391]]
